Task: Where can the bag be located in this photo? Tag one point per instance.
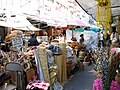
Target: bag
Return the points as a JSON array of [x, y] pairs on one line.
[[55, 49]]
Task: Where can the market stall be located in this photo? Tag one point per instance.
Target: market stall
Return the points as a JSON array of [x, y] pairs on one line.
[[18, 62], [107, 66], [48, 63]]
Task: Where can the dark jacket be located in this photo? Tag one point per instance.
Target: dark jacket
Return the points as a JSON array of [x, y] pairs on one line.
[[33, 42], [81, 40]]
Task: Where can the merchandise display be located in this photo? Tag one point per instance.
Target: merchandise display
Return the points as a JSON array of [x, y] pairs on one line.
[[42, 64], [59, 44], [108, 66], [50, 65]]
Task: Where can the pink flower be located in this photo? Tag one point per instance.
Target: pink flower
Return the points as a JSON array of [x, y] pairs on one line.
[[97, 85], [115, 85]]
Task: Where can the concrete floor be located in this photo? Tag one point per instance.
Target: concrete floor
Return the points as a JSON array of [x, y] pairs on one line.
[[82, 80]]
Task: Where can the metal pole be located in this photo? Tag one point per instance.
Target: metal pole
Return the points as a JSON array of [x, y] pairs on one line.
[[73, 31]]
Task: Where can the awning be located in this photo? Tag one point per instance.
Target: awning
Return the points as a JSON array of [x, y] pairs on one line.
[[94, 26], [90, 6], [77, 22], [20, 23], [28, 28]]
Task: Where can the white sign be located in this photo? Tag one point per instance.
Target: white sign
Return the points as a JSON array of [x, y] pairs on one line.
[[17, 43]]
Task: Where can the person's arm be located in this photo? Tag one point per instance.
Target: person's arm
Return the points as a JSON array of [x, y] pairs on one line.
[[37, 43], [29, 42]]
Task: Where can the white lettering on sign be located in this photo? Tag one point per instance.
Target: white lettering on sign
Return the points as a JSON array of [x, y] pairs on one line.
[[17, 43]]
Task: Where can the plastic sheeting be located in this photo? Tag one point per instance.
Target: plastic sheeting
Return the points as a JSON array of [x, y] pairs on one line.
[[90, 6], [39, 68], [91, 38], [77, 22]]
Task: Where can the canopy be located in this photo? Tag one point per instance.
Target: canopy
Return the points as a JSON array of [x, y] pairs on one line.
[[91, 29], [90, 6], [76, 22], [18, 22], [28, 28]]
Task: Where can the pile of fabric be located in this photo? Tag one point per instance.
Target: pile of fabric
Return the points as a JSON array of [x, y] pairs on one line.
[[37, 85]]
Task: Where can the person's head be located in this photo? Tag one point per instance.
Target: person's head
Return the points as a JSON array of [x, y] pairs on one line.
[[81, 35], [32, 35]]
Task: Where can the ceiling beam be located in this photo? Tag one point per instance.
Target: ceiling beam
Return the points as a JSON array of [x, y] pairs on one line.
[[115, 6]]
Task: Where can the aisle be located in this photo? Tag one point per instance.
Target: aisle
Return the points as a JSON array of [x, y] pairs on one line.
[[82, 80]]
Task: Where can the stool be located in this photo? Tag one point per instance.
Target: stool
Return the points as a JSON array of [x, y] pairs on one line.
[[17, 68]]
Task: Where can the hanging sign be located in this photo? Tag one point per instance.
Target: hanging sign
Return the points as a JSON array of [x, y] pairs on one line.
[[17, 43]]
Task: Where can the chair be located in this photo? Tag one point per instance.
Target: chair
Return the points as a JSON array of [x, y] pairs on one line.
[[30, 73], [17, 68]]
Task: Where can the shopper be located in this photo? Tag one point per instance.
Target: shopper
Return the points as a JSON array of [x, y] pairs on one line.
[[81, 38], [102, 39], [98, 39], [33, 41]]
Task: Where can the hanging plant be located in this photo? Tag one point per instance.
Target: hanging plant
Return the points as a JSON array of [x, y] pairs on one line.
[[102, 2]]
